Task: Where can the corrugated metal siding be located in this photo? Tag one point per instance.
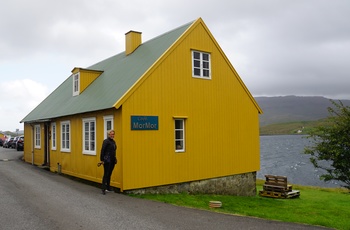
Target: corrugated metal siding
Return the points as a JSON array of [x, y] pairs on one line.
[[27, 150], [222, 131], [75, 163], [30, 152]]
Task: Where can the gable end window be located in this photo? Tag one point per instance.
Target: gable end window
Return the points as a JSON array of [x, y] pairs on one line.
[[201, 65], [76, 84], [89, 136]]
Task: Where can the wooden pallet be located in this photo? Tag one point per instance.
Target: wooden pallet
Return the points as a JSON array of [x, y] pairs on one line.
[[292, 194], [277, 187], [215, 204], [276, 180]]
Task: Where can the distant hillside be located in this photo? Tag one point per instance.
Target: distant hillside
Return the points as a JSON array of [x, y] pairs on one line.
[[286, 109], [291, 128]]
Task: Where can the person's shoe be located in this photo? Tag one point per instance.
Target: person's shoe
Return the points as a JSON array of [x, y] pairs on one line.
[[103, 192], [109, 190]]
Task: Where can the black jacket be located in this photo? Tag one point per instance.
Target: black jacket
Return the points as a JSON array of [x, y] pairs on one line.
[[108, 150]]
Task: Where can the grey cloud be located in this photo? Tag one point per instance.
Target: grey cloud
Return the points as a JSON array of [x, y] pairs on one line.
[[299, 47]]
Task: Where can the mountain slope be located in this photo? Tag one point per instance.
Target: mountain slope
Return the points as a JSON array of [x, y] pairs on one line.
[[293, 108]]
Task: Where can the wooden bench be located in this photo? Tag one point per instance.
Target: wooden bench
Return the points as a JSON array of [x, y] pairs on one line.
[[278, 187], [277, 183]]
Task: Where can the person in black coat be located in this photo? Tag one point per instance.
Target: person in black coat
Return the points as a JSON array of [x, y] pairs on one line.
[[109, 159]]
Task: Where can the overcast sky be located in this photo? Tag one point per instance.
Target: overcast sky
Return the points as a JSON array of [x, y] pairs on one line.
[[278, 47]]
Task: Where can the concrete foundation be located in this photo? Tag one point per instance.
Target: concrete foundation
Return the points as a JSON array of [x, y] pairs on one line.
[[238, 185]]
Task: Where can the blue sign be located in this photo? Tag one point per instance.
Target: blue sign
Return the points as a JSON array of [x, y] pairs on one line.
[[144, 122]]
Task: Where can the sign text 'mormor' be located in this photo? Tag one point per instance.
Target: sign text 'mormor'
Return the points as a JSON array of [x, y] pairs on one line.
[[144, 122]]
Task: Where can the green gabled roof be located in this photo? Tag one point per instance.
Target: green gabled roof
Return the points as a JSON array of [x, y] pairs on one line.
[[120, 73]]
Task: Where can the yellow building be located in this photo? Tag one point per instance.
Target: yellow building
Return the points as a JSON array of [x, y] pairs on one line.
[[182, 116], [2, 136]]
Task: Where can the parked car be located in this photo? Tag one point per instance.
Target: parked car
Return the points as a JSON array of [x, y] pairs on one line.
[[1, 142], [8, 142], [20, 143], [14, 142]]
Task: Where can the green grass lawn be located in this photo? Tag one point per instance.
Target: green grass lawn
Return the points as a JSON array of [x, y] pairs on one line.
[[315, 206]]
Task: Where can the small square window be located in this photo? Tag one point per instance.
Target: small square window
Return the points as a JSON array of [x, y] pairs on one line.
[[201, 65]]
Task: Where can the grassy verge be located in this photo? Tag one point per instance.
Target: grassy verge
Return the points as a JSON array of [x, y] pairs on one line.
[[316, 206]]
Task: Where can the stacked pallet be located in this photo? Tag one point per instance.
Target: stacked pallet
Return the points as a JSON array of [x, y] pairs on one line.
[[278, 187]]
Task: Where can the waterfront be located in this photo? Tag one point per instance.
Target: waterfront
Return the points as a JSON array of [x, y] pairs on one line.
[[283, 155]]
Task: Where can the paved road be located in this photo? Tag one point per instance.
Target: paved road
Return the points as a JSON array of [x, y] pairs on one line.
[[33, 198]]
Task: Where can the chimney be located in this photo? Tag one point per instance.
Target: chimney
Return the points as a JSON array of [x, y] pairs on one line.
[[132, 41]]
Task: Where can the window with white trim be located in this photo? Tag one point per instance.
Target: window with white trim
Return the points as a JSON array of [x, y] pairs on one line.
[[37, 136], [108, 125], [201, 65], [53, 136], [179, 135], [65, 136], [89, 136], [76, 84]]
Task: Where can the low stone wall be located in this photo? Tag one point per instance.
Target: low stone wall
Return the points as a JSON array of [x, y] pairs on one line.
[[239, 185]]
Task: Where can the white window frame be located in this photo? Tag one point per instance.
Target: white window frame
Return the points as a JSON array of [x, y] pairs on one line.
[[37, 136], [89, 150], [53, 136], [181, 138], [64, 140], [204, 65], [76, 84], [107, 119]]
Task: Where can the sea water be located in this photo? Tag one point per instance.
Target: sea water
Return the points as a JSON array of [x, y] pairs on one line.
[[283, 155]]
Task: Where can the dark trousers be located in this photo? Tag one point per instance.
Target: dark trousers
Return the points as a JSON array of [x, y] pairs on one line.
[[108, 169]]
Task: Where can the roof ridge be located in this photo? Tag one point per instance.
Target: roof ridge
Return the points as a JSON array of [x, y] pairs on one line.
[[144, 43], [170, 31]]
